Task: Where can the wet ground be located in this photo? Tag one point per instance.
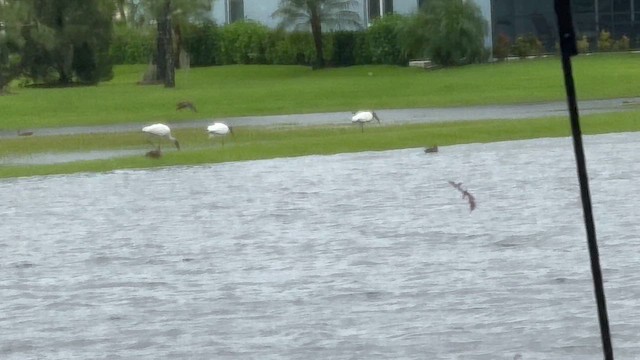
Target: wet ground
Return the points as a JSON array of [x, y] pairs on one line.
[[388, 116], [59, 158]]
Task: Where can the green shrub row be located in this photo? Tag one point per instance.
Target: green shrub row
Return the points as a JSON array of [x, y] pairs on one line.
[[530, 45], [132, 46], [249, 42]]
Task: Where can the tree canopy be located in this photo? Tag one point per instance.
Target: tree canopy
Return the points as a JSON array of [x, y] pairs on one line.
[[313, 14], [12, 21], [57, 41], [170, 17], [453, 31]]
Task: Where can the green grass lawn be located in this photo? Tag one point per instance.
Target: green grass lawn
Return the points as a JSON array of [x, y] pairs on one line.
[[262, 90]]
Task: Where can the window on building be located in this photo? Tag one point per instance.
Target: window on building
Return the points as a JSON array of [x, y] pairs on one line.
[[621, 5], [236, 10], [605, 6], [583, 6], [388, 7], [422, 3], [374, 8]]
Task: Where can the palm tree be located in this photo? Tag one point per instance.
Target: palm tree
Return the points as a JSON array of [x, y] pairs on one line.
[[313, 14], [170, 15], [453, 31]]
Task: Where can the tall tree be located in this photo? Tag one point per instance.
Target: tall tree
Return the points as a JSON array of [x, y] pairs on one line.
[[313, 14], [69, 40], [122, 11], [170, 17], [131, 12], [12, 23], [450, 32]]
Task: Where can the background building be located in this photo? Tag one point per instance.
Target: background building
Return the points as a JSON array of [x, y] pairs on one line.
[[519, 17], [229, 11]]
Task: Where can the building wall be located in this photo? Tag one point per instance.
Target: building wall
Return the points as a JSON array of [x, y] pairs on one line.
[[257, 10], [520, 17], [261, 10], [485, 8], [405, 7]]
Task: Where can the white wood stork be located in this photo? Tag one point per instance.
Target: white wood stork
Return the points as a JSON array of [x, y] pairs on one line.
[[219, 129], [160, 131], [362, 117]]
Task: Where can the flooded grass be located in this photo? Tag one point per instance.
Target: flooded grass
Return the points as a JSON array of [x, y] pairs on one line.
[[64, 157], [111, 151]]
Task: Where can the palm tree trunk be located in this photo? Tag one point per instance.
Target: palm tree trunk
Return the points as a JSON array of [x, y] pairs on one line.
[[121, 11], [316, 30], [170, 74], [161, 55]]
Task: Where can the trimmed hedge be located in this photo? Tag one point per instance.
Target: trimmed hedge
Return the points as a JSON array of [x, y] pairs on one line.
[[201, 42], [344, 48], [132, 46], [243, 42], [384, 41], [295, 48]]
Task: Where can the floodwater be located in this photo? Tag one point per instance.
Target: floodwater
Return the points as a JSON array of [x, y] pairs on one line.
[[354, 256]]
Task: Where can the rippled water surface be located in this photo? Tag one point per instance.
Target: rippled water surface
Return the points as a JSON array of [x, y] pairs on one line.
[[357, 256]]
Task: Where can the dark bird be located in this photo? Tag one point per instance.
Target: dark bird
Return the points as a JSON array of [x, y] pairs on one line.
[[465, 195], [154, 154], [433, 149], [25, 133], [186, 105]]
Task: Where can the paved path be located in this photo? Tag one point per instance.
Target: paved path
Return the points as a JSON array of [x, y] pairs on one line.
[[388, 116]]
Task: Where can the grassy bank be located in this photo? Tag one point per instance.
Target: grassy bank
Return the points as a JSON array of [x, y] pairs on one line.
[[264, 143], [261, 90]]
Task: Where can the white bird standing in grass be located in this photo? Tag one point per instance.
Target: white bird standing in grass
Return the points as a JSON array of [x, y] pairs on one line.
[[362, 117], [219, 129], [160, 131]]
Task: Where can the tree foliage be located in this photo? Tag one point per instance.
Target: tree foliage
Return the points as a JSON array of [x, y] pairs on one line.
[[385, 38], [305, 15], [243, 42], [450, 32], [12, 23], [65, 41], [171, 17]]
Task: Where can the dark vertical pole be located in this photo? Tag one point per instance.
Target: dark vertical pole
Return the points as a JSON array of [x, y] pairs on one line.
[[596, 10], [170, 74], [568, 47]]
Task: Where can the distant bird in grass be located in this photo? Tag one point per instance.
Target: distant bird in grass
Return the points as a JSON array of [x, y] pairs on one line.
[[219, 129], [25, 133], [158, 132], [186, 105], [362, 117], [154, 154], [465, 195], [433, 149]]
